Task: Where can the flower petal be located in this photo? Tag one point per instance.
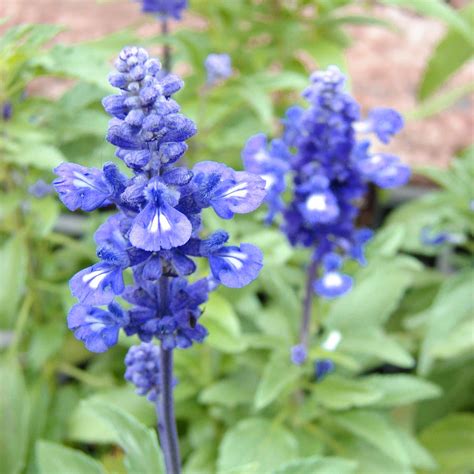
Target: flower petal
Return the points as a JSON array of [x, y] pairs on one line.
[[162, 227]]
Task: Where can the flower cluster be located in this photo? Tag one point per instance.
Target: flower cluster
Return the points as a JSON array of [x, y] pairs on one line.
[[156, 231], [218, 67], [143, 369], [326, 150], [164, 8]]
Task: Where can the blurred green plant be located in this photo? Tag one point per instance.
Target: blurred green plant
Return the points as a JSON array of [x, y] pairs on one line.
[[241, 405]]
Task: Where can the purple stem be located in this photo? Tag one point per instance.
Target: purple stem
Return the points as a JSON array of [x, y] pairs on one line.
[[166, 46], [165, 405], [308, 299]]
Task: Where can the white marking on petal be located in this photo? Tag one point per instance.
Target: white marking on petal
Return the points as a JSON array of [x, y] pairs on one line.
[[333, 340], [235, 259], [93, 279], [260, 156], [81, 181], [316, 202], [269, 180], [165, 225], [375, 159], [332, 280], [238, 191], [153, 226]]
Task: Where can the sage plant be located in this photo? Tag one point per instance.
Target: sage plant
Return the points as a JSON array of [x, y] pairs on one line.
[[325, 148], [156, 232]]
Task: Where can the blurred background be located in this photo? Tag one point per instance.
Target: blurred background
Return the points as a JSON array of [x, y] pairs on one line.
[[400, 398]]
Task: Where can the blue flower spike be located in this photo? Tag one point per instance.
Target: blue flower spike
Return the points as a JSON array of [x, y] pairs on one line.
[[326, 154], [156, 231]]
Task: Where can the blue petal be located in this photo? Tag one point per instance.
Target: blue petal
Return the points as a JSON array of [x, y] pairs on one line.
[[299, 354], [80, 187], [97, 285], [98, 329], [236, 267], [393, 176], [240, 195], [322, 368], [162, 227], [110, 232], [385, 123], [320, 207], [333, 284]]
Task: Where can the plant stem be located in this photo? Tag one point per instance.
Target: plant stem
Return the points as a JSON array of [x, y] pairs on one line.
[[166, 418], [166, 46], [308, 299], [165, 404]]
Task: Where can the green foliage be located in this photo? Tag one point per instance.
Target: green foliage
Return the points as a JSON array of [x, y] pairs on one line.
[[53, 458], [242, 407], [450, 54], [142, 453], [256, 445], [14, 416]]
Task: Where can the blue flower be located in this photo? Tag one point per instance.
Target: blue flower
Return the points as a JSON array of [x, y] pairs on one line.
[[218, 66], [383, 122], [80, 187], [271, 163], [98, 284], [299, 354], [229, 192], [323, 367], [330, 167], [40, 188], [164, 8], [332, 283], [384, 170], [156, 231], [97, 328], [143, 369], [236, 267], [159, 225]]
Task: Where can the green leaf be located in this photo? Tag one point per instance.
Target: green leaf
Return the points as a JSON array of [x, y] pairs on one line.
[[339, 393], [223, 325], [450, 54], [370, 460], [52, 458], [376, 430], [454, 299], [438, 9], [46, 340], [39, 155], [231, 391], [440, 102], [140, 443], [82, 62], [278, 375], [326, 53], [459, 342], [43, 215], [318, 465], [450, 440], [14, 258], [401, 389], [374, 342], [377, 292], [14, 416], [259, 101], [419, 456], [86, 426], [256, 442]]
